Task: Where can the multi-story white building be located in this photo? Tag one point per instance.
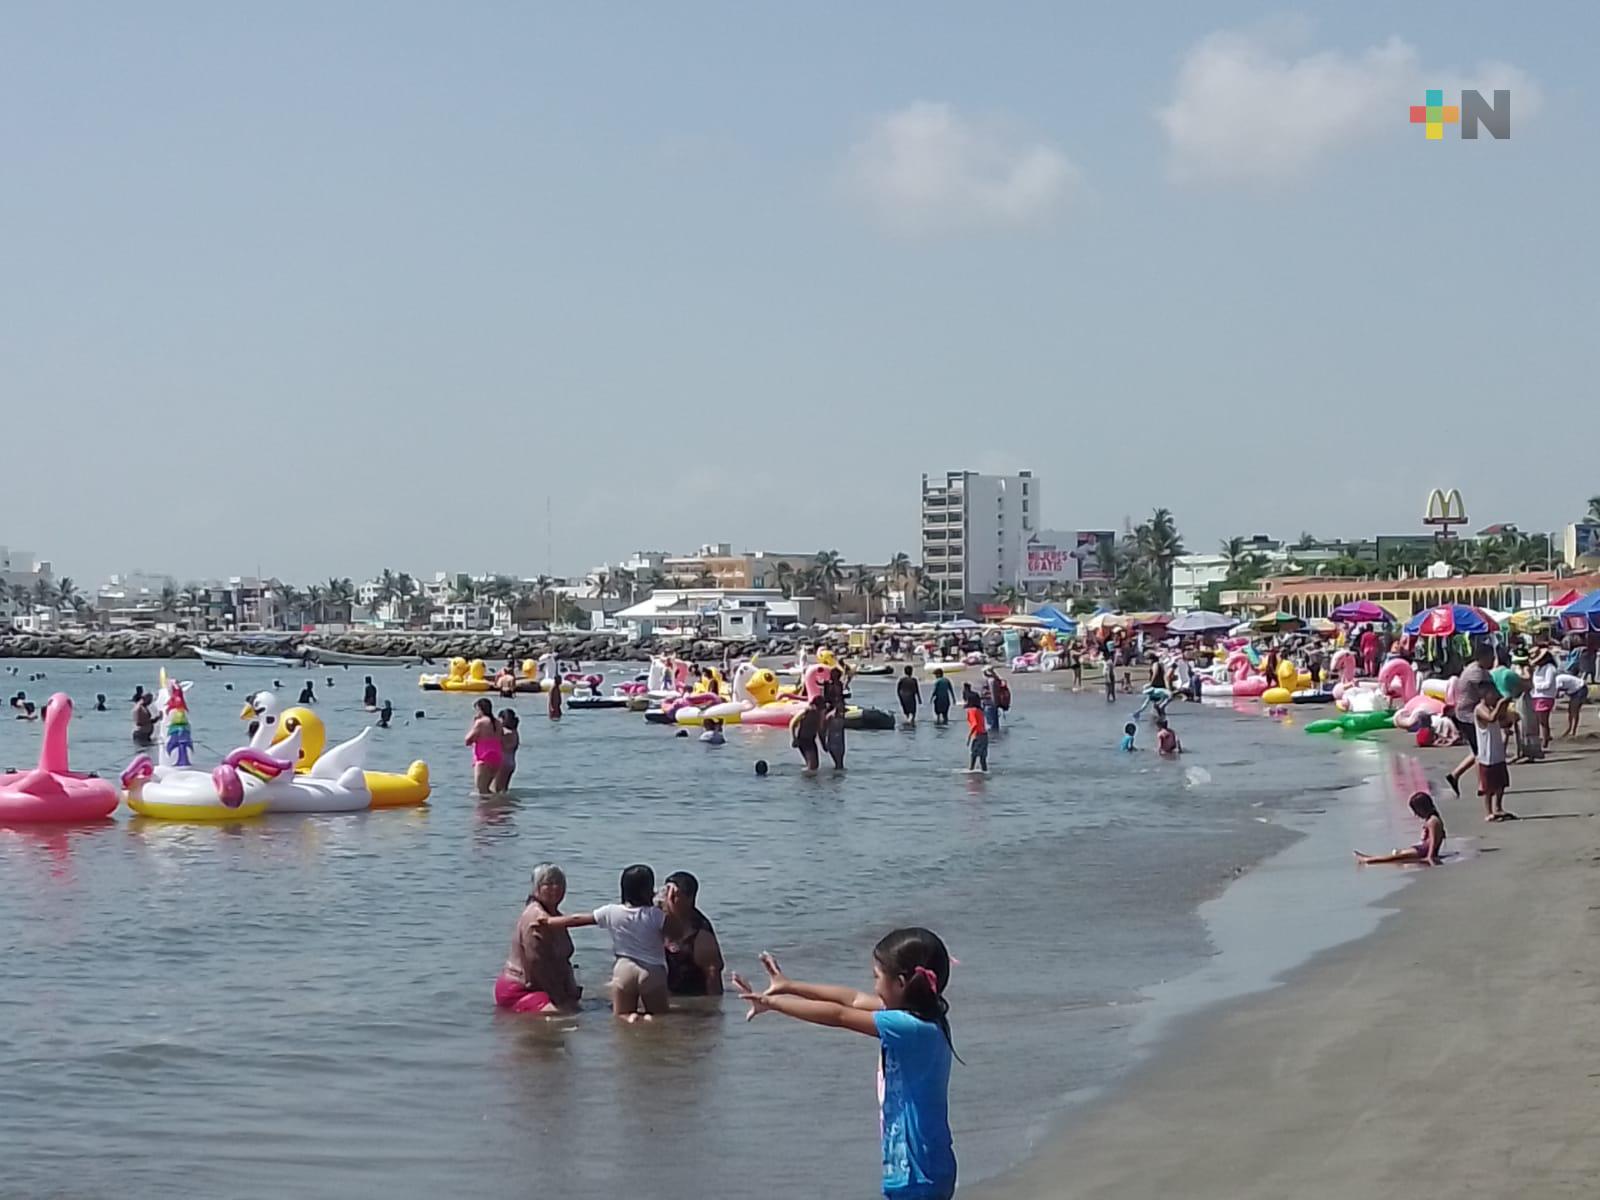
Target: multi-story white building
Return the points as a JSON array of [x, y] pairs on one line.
[[975, 531]]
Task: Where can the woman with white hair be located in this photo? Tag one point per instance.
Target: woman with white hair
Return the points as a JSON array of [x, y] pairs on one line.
[[537, 977]]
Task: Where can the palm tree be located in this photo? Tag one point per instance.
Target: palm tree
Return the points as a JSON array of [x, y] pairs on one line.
[[877, 590], [420, 608], [784, 576], [523, 602], [1594, 509], [1105, 554], [316, 603], [624, 583], [43, 594], [1308, 541], [1162, 545], [1453, 554], [1008, 595], [1234, 550], [541, 589], [289, 601], [1486, 556], [168, 600], [67, 594], [341, 594], [405, 588], [602, 584], [929, 591], [900, 567], [829, 573]]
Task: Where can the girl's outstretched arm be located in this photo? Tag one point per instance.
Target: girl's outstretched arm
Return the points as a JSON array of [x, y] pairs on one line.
[[815, 1012], [780, 984]]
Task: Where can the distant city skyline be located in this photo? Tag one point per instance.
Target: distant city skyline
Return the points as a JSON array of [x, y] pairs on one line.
[[284, 296]]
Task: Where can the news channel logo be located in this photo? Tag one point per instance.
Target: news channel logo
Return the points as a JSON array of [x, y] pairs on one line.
[[1472, 114]]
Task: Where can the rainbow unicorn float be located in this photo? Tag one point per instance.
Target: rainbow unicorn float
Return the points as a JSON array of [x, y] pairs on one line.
[[172, 788], [52, 791]]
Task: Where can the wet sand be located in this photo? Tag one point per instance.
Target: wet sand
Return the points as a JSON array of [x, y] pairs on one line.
[[1454, 1053]]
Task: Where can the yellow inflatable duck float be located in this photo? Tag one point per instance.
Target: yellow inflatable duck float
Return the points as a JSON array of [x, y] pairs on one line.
[[462, 677], [389, 790]]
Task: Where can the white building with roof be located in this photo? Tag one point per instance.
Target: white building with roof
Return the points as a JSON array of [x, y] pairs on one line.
[[673, 611]]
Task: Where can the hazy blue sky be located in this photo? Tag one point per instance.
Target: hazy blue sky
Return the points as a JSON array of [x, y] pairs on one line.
[[329, 287]]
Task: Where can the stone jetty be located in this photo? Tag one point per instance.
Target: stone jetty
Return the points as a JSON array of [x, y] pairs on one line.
[[583, 647]]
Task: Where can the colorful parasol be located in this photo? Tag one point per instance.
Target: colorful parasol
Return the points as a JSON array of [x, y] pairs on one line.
[[1449, 619]]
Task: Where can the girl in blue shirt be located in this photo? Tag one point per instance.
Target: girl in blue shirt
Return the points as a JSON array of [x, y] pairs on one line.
[[906, 1012]]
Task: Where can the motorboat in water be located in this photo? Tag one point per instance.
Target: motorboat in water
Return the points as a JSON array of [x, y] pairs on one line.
[[223, 658]]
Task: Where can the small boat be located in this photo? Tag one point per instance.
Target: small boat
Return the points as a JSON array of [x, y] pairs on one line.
[[874, 669], [222, 658], [341, 658]]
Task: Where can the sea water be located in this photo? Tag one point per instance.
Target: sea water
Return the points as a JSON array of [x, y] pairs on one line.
[[302, 1005]]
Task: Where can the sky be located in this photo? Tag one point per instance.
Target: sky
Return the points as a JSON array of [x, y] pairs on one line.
[[313, 289]]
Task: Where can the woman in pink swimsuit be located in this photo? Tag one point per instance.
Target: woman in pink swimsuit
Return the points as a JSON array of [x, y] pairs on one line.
[[487, 751]]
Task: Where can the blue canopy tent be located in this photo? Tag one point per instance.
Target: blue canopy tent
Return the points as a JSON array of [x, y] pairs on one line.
[[1055, 619], [1585, 607]]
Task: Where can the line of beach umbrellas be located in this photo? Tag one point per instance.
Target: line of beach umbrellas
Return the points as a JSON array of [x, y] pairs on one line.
[[1574, 612]]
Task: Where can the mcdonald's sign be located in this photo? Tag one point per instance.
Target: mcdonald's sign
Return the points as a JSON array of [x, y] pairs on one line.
[[1445, 508]]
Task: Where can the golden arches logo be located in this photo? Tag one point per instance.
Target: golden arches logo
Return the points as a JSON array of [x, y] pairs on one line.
[[1445, 508]]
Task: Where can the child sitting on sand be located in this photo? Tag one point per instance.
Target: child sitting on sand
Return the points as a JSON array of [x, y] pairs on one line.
[[1425, 851]]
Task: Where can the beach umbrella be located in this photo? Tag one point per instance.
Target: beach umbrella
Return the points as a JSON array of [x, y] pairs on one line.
[[1359, 612], [1200, 621], [1022, 621], [1571, 596], [1449, 619]]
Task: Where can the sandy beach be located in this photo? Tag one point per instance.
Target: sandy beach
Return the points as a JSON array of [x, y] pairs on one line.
[[1450, 1054]]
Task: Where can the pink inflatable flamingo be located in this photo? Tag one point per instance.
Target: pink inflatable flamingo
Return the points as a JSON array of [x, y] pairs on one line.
[[1398, 679], [53, 791], [1344, 662], [1244, 683]]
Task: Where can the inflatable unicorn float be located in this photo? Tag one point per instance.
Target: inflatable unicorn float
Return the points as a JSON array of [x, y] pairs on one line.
[[283, 768], [52, 791]]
